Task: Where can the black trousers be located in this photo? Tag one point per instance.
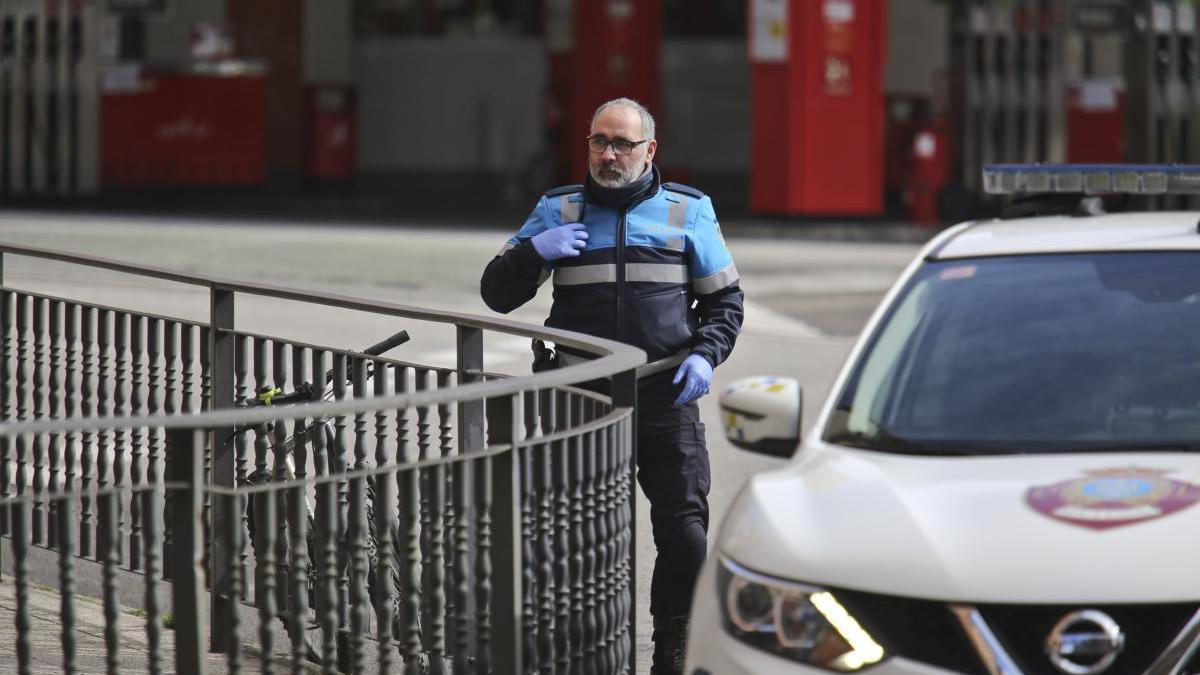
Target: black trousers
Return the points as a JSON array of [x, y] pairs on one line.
[[673, 471]]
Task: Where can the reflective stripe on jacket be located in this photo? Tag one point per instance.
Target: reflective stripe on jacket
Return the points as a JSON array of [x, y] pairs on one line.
[[678, 287]]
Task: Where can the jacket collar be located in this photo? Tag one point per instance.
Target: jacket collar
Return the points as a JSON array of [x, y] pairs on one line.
[[623, 197]]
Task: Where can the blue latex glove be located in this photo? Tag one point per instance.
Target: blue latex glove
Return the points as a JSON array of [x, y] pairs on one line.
[[564, 241], [696, 374]]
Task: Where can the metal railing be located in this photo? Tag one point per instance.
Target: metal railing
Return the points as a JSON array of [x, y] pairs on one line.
[[424, 519]]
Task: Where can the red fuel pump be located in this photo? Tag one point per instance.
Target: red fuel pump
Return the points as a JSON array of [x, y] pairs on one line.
[[1096, 123], [907, 113], [616, 53], [816, 85]]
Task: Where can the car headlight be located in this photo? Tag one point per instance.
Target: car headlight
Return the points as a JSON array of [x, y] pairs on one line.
[[792, 620]]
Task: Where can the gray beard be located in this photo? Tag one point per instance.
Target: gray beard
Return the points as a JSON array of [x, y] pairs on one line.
[[625, 178]]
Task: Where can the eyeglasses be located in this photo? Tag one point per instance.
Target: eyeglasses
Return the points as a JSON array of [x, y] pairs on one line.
[[620, 146]]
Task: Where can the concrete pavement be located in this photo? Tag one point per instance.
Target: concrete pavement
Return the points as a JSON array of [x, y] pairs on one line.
[[91, 655]]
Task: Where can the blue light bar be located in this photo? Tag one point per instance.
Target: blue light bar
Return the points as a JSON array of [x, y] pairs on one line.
[[1138, 179]]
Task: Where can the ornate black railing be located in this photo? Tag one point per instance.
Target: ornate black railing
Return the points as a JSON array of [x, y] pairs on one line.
[[422, 519]]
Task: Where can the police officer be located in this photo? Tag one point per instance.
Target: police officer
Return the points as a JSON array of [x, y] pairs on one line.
[[640, 261]]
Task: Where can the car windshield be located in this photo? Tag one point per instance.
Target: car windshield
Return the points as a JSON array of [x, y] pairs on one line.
[[1036, 353]]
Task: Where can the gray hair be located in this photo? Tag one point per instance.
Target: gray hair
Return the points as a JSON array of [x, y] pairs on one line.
[[647, 119]]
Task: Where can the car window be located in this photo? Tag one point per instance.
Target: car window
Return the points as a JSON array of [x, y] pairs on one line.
[[1033, 353]]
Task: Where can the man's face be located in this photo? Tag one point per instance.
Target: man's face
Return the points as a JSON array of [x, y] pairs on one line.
[[609, 169]]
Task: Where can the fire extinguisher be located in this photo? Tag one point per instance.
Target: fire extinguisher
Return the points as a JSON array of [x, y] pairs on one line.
[[928, 173]]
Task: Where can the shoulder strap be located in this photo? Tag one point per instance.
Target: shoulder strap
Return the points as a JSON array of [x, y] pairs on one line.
[[683, 189]]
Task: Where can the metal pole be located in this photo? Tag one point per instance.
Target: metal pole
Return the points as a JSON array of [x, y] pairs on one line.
[[51, 134], [221, 343], [185, 464], [6, 373], [991, 84], [506, 637], [29, 49], [624, 395], [957, 104], [470, 441], [1137, 56], [1056, 113], [8, 41], [1030, 90], [975, 90], [470, 369]]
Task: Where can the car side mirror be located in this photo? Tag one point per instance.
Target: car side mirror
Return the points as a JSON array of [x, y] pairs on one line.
[[762, 414]]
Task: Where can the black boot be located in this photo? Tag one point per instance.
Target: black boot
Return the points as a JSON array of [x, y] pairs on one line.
[[670, 645]]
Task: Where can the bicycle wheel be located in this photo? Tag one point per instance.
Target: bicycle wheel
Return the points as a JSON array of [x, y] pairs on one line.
[[307, 630]]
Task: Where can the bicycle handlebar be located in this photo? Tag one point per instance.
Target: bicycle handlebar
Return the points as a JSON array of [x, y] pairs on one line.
[[381, 347], [374, 350], [306, 391]]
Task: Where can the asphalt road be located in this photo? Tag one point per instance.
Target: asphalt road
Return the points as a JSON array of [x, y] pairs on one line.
[[806, 300]]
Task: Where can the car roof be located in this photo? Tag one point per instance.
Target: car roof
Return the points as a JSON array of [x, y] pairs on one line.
[[1150, 231]]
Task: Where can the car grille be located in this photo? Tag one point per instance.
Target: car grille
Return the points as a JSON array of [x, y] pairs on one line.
[[1148, 630], [928, 632]]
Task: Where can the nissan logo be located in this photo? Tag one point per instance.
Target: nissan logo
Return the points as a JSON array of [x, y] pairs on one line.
[[1084, 642]]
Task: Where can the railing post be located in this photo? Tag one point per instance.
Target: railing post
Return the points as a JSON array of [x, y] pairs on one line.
[[5, 319], [470, 441], [185, 464], [221, 343], [624, 395], [470, 369], [507, 600]]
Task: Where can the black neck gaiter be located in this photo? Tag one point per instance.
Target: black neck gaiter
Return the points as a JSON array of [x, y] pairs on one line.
[[622, 197]]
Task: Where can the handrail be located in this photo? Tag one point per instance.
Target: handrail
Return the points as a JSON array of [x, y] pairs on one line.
[[614, 357], [592, 345]]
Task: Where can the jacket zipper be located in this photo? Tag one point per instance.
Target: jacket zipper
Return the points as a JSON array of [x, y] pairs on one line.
[[621, 276]]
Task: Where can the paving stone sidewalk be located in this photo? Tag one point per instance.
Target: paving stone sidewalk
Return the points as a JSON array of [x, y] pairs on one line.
[[91, 654]]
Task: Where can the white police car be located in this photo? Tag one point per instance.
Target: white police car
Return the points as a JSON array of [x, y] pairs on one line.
[[1005, 477]]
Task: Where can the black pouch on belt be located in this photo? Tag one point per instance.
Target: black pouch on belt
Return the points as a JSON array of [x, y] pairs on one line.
[[543, 357]]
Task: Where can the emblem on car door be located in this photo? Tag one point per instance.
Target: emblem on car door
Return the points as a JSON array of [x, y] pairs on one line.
[[1112, 497], [1085, 642]]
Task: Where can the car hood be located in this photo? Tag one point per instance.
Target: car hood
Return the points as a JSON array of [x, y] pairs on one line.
[[1065, 528]]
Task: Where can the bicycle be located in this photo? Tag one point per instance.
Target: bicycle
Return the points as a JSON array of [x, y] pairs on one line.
[[285, 470]]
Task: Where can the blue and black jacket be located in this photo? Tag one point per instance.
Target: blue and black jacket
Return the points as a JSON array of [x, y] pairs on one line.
[[655, 274]]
